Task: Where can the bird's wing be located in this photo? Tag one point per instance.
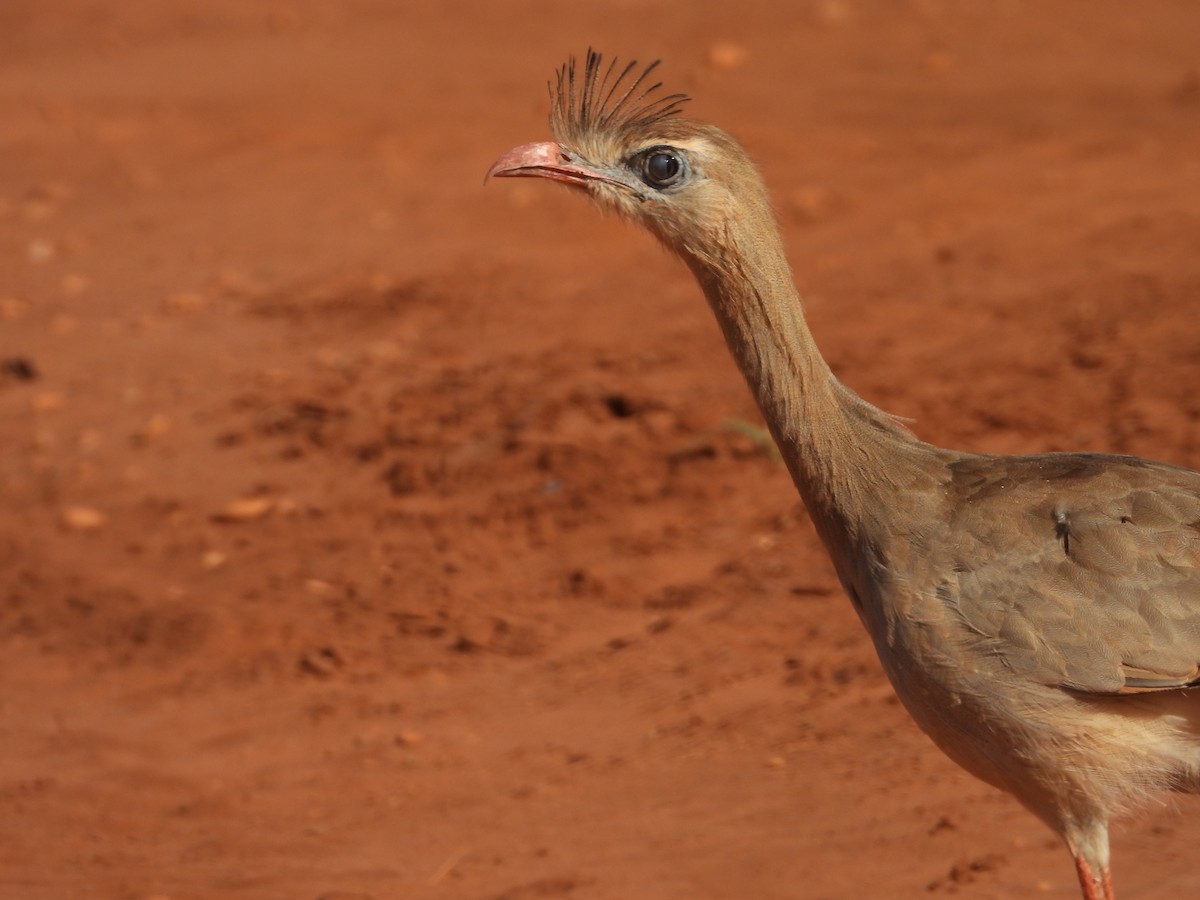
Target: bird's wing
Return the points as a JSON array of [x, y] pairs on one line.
[[1081, 570]]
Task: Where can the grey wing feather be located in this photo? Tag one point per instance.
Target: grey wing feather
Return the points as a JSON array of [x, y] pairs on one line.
[[1081, 571]]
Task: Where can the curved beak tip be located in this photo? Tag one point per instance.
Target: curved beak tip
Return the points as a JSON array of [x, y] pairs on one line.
[[545, 159], [528, 159]]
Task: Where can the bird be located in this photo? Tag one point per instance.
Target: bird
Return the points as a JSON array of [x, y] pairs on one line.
[[1037, 615]]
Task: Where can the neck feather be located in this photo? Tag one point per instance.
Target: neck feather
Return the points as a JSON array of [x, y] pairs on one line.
[[845, 456]]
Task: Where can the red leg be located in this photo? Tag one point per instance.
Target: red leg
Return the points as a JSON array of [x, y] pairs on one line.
[[1095, 886]]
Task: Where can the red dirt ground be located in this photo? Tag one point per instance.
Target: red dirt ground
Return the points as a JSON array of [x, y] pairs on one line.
[[367, 533]]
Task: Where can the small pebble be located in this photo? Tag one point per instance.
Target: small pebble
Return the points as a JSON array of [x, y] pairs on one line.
[[319, 588], [40, 252], [727, 55], [246, 509], [410, 738], [47, 401], [157, 426], [212, 559], [186, 302], [83, 518]]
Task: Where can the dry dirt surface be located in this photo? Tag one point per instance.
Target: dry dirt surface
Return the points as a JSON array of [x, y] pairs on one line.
[[369, 533]]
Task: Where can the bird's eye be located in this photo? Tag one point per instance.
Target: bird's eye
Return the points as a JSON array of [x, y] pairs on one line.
[[663, 167]]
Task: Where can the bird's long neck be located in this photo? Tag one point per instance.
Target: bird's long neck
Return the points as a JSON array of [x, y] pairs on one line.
[[846, 457]]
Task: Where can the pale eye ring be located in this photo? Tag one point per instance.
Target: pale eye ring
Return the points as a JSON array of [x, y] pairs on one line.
[[662, 167]]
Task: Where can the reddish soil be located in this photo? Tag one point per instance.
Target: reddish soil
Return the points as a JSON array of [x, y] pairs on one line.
[[368, 533]]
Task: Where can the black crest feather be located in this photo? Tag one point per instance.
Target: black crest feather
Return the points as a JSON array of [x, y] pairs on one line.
[[607, 99]]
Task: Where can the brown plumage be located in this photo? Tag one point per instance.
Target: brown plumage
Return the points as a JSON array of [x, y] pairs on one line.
[[1039, 616]]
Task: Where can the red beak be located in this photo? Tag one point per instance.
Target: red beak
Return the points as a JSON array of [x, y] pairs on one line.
[[543, 160]]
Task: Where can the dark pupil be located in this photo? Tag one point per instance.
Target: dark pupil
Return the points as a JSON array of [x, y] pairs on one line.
[[662, 167]]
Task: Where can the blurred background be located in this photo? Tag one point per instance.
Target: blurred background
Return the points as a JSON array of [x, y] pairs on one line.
[[369, 533]]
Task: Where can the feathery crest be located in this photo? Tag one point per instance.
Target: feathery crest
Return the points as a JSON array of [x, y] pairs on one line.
[[602, 102]]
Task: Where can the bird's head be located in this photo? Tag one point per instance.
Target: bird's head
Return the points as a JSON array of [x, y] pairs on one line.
[[626, 145]]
